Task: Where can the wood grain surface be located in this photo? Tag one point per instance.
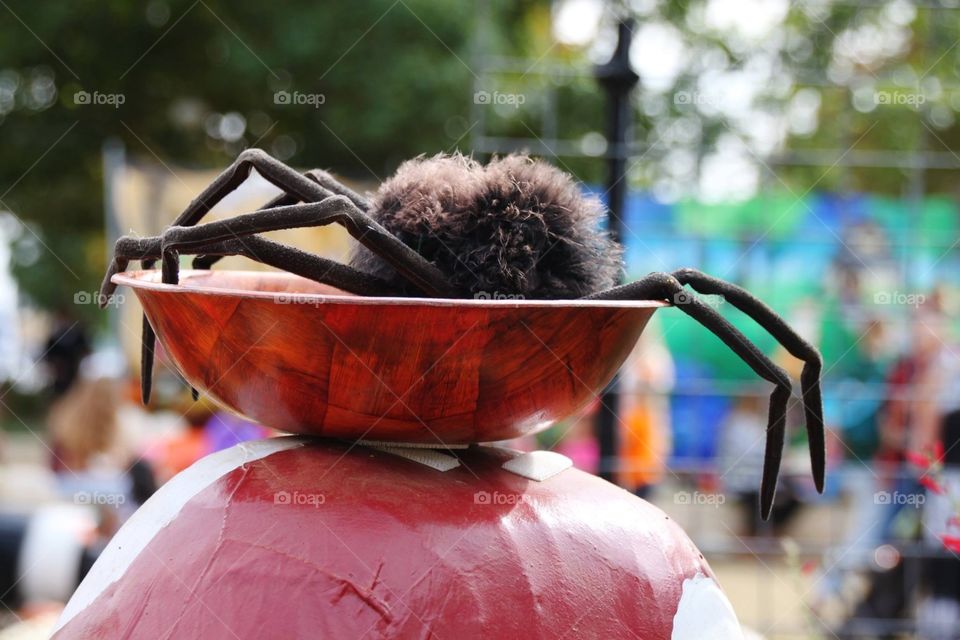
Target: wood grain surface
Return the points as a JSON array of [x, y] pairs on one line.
[[306, 358]]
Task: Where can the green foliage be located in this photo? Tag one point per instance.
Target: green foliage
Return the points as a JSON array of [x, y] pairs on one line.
[[394, 80], [199, 81]]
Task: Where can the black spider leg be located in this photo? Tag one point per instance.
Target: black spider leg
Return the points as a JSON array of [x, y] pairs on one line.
[[148, 344], [269, 168], [139, 248], [786, 336], [225, 183], [322, 178], [274, 254], [203, 261], [330, 183], [335, 209], [407, 262], [410, 264], [663, 286], [261, 250]]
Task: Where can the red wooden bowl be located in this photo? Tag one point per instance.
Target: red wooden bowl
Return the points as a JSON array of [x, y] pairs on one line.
[[307, 358]]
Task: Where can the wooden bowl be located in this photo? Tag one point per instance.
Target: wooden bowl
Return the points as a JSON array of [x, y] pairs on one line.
[[302, 357]]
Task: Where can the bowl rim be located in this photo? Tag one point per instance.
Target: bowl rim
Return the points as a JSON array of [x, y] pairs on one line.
[[149, 279]]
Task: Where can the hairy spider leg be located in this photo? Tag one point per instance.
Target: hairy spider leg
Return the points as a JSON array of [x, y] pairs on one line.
[[664, 286], [331, 184], [234, 233], [301, 188], [268, 252], [368, 232], [322, 178], [335, 209], [799, 348], [298, 188]]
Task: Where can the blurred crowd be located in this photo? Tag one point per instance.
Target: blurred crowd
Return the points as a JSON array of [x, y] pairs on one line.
[[894, 415], [892, 410], [105, 456], [892, 407]]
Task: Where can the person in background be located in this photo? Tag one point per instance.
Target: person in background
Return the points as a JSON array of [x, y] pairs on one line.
[[578, 441], [858, 399], [83, 428], [65, 349], [207, 429], [645, 384], [903, 408], [740, 463], [937, 428], [225, 429], [90, 455], [852, 409]]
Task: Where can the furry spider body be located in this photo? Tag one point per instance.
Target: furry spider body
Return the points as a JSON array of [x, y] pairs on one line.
[[450, 227]]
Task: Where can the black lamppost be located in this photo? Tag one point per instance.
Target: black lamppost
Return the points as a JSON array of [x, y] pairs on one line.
[[617, 78]]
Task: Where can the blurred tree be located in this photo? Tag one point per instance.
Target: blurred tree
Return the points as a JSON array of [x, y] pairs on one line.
[[354, 86], [729, 88], [747, 97], [738, 94]]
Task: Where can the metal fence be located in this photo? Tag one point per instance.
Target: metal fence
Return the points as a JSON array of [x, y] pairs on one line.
[[777, 575]]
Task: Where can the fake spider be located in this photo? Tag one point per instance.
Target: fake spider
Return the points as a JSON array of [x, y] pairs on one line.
[[449, 227]]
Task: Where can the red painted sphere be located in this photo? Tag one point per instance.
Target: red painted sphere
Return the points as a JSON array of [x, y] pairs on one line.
[[297, 538]]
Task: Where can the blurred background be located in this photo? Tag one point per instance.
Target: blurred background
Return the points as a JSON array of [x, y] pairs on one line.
[[806, 151]]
